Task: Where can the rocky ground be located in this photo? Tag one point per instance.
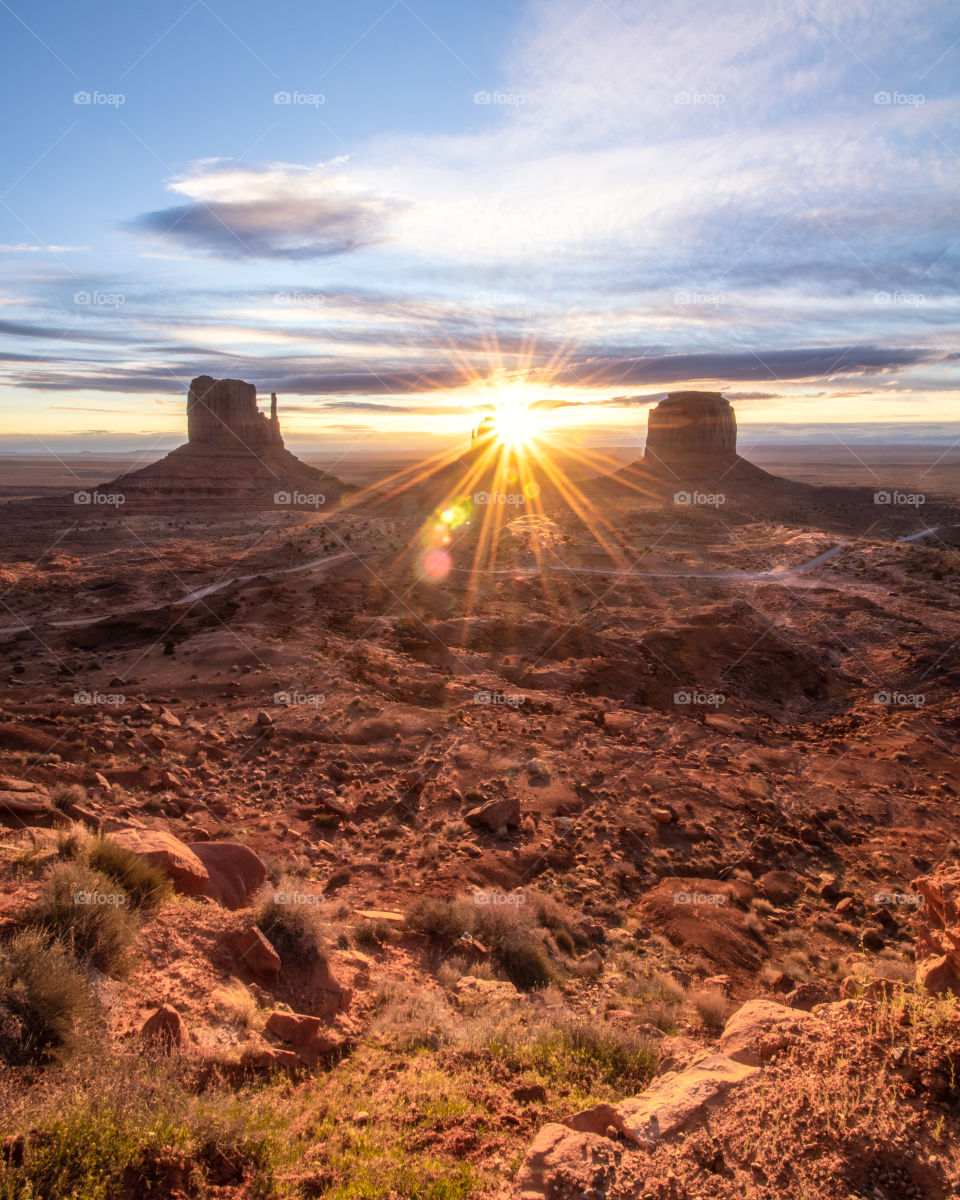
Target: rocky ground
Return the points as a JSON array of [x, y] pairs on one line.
[[454, 859]]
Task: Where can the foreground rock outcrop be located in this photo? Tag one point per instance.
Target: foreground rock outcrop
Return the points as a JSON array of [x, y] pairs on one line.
[[938, 932]]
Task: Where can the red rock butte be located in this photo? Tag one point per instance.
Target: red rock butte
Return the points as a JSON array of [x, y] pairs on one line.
[[234, 452], [689, 428]]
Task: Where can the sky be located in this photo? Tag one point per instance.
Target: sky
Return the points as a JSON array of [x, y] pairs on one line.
[[396, 214]]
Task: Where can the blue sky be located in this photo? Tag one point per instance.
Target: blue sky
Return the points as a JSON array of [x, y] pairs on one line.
[[394, 214]]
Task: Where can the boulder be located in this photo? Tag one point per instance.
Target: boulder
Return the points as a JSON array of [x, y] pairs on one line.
[[678, 1098], [760, 1028], [502, 813], [235, 872], [165, 1028], [310, 1039], [256, 954], [563, 1162], [938, 932], [185, 870]]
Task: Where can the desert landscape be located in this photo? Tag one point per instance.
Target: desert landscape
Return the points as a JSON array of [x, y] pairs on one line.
[[480, 600], [603, 848]]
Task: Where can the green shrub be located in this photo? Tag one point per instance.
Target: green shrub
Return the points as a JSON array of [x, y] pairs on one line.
[[98, 933], [146, 885], [44, 998], [519, 952], [296, 931]]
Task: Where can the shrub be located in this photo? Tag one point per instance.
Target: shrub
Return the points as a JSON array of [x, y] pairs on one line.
[[44, 998], [519, 953], [591, 1057], [146, 885], [295, 930], [442, 919], [98, 933], [65, 794], [713, 1008]]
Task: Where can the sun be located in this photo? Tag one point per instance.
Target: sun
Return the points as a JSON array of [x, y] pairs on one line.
[[516, 423]]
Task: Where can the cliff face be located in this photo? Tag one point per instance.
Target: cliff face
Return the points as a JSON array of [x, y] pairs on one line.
[[223, 413], [691, 427]]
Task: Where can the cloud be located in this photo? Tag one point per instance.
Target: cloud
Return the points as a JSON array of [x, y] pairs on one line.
[[277, 212]]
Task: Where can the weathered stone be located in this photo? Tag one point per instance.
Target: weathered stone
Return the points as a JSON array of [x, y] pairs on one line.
[[938, 932], [256, 954], [165, 1028], [760, 1028], [678, 1098], [496, 814], [185, 870], [560, 1158], [235, 873], [308, 1036]]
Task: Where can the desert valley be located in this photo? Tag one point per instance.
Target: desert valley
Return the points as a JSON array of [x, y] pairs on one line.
[[483, 828]]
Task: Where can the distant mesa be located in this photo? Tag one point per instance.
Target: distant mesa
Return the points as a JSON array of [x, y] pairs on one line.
[[234, 452]]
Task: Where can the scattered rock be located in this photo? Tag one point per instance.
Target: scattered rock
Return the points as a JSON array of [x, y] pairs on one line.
[[165, 1028], [560, 1158], [256, 954], [501, 813], [234, 872], [938, 932], [308, 1036]]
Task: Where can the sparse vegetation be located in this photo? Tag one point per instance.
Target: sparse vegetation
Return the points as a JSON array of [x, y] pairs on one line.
[[45, 999], [82, 909]]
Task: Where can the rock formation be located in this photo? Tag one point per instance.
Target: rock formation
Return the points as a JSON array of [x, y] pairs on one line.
[[691, 428], [223, 412], [234, 452]]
